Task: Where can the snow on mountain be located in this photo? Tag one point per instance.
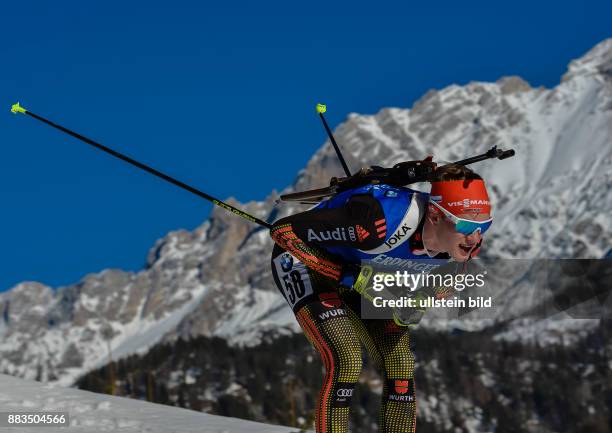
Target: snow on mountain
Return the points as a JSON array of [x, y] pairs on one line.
[[90, 412], [56, 335], [553, 199]]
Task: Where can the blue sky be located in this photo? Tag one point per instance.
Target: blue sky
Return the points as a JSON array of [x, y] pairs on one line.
[[221, 97]]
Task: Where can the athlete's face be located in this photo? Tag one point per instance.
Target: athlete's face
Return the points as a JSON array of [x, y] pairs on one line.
[[458, 245]]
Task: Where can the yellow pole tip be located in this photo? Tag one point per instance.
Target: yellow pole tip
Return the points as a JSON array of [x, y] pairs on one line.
[[321, 108], [16, 108]]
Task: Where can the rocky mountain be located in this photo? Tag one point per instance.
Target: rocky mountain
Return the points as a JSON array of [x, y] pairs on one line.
[[553, 199]]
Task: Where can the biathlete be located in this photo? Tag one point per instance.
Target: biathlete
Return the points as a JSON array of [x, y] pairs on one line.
[[316, 259]]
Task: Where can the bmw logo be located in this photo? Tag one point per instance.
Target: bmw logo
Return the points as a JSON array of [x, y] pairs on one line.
[[286, 262]]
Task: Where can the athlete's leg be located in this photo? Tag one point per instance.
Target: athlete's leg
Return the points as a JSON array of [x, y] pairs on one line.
[[389, 346], [334, 338], [323, 318], [398, 407]]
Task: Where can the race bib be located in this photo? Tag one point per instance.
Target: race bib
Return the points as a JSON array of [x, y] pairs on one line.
[[293, 277]]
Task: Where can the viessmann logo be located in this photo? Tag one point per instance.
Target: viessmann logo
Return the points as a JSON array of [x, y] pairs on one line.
[[467, 203]]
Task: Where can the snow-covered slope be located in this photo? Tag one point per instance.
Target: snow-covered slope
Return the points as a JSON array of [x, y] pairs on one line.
[[90, 412], [553, 199]]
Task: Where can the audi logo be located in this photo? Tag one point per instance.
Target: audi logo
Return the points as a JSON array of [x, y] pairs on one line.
[[344, 393]]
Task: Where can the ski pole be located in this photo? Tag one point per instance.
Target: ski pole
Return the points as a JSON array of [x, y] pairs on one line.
[[16, 108], [322, 109]]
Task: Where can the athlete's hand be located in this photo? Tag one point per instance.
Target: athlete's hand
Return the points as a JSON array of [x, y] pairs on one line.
[[407, 316], [410, 316]]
